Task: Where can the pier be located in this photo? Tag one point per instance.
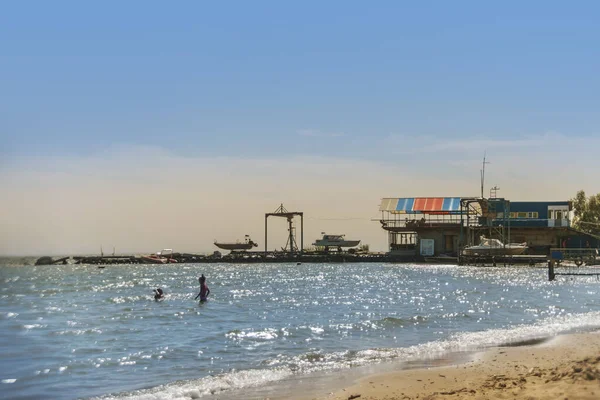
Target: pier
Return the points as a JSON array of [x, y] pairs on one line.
[[573, 262], [234, 257], [504, 260]]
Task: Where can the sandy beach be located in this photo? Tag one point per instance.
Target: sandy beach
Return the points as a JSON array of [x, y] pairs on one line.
[[566, 367]]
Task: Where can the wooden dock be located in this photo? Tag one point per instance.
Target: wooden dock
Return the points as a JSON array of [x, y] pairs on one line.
[[573, 262], [522, 259]]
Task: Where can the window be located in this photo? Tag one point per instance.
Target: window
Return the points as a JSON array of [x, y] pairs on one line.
[[524, 214]]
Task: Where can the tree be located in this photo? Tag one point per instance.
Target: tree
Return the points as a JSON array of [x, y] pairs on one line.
[[586, 213]]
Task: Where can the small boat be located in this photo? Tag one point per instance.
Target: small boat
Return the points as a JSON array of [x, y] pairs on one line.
[[246, 245], [494, 247], [338, 241], [159, 257]]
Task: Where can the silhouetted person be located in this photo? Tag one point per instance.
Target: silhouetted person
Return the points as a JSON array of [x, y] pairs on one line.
[[204, 290]]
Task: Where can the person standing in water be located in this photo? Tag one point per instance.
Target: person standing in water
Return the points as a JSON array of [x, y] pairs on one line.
[[204, 290]]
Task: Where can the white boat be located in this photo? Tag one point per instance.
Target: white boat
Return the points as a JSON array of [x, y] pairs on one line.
[[164, 256], [494, 247], [338, 241]]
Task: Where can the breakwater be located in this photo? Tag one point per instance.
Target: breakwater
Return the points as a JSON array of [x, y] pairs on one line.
[[234, 257], [285, 257]]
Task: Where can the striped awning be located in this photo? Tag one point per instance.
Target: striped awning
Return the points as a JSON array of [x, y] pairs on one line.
[[421, 205], [405, 205]]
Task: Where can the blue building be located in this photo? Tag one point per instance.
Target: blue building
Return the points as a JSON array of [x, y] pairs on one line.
[[536, 214]]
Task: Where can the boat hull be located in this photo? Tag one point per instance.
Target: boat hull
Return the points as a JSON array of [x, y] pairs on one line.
[[499, 251], [343, 243], [234, 246]]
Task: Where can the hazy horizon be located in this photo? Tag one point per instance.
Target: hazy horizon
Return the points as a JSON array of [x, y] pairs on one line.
[[143, 199]]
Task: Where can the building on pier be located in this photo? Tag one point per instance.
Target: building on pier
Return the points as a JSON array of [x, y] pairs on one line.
[[420, 227]]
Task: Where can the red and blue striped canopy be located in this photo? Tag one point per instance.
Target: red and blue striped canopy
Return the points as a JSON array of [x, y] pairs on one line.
[[421, 205]]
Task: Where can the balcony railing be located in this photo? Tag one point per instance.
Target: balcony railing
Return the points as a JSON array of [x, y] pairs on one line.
[[533, 222]]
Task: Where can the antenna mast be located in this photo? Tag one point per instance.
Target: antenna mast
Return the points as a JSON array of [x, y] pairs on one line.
[[483, 173]]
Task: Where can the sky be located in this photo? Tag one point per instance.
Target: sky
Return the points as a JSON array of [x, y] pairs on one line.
[[144, 125]]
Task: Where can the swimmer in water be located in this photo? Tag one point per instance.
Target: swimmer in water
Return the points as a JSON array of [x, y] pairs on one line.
[[158, 294], [204, 290]]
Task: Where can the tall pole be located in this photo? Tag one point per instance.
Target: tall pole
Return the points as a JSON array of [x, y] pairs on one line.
[[301, 233], [483, 173], [266, 227], [291, 239]]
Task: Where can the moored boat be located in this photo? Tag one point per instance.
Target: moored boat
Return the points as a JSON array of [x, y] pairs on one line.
[[338, 241], [494, 247], [164, 256], [247, 244]]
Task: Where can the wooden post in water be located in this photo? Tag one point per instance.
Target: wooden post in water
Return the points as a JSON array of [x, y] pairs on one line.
[[266, 230], [551, 274]]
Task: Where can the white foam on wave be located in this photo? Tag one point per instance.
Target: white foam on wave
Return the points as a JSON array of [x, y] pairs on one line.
[[79, 331], [127, 299], [266, 334], [287, 366], [206, 386], [317, 329], [545, 328], [34, 326]]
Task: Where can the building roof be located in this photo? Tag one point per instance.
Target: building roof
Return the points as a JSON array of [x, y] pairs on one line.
[[421, 205]]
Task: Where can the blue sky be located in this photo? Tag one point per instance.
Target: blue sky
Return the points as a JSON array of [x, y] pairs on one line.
[[248, 78], [411, 92]]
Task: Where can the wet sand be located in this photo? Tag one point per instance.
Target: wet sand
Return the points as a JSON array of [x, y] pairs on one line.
[[566, 367]]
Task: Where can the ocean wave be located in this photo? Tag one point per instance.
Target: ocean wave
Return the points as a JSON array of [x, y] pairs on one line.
[[266, 334], [206, 386], [77, 332], [127, 299], [284, 367], [34, 326], [388, 322]]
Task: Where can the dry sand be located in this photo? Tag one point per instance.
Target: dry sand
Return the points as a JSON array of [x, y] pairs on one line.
[[567, 367]]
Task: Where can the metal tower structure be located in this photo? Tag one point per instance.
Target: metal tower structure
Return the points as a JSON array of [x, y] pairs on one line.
[[494, 192], [291, 240]]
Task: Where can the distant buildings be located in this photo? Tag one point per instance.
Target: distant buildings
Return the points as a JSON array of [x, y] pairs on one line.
[[433, 226]]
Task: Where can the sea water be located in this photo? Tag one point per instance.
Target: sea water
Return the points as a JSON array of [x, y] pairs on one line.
[[76, 331]]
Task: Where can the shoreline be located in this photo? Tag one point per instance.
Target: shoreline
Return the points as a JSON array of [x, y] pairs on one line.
[[564, 367]]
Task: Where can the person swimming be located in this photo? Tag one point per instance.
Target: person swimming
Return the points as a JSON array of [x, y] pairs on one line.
[[158, 294], [204, 290]]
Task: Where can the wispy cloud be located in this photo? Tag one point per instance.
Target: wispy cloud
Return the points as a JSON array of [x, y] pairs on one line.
[[410, 144]]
